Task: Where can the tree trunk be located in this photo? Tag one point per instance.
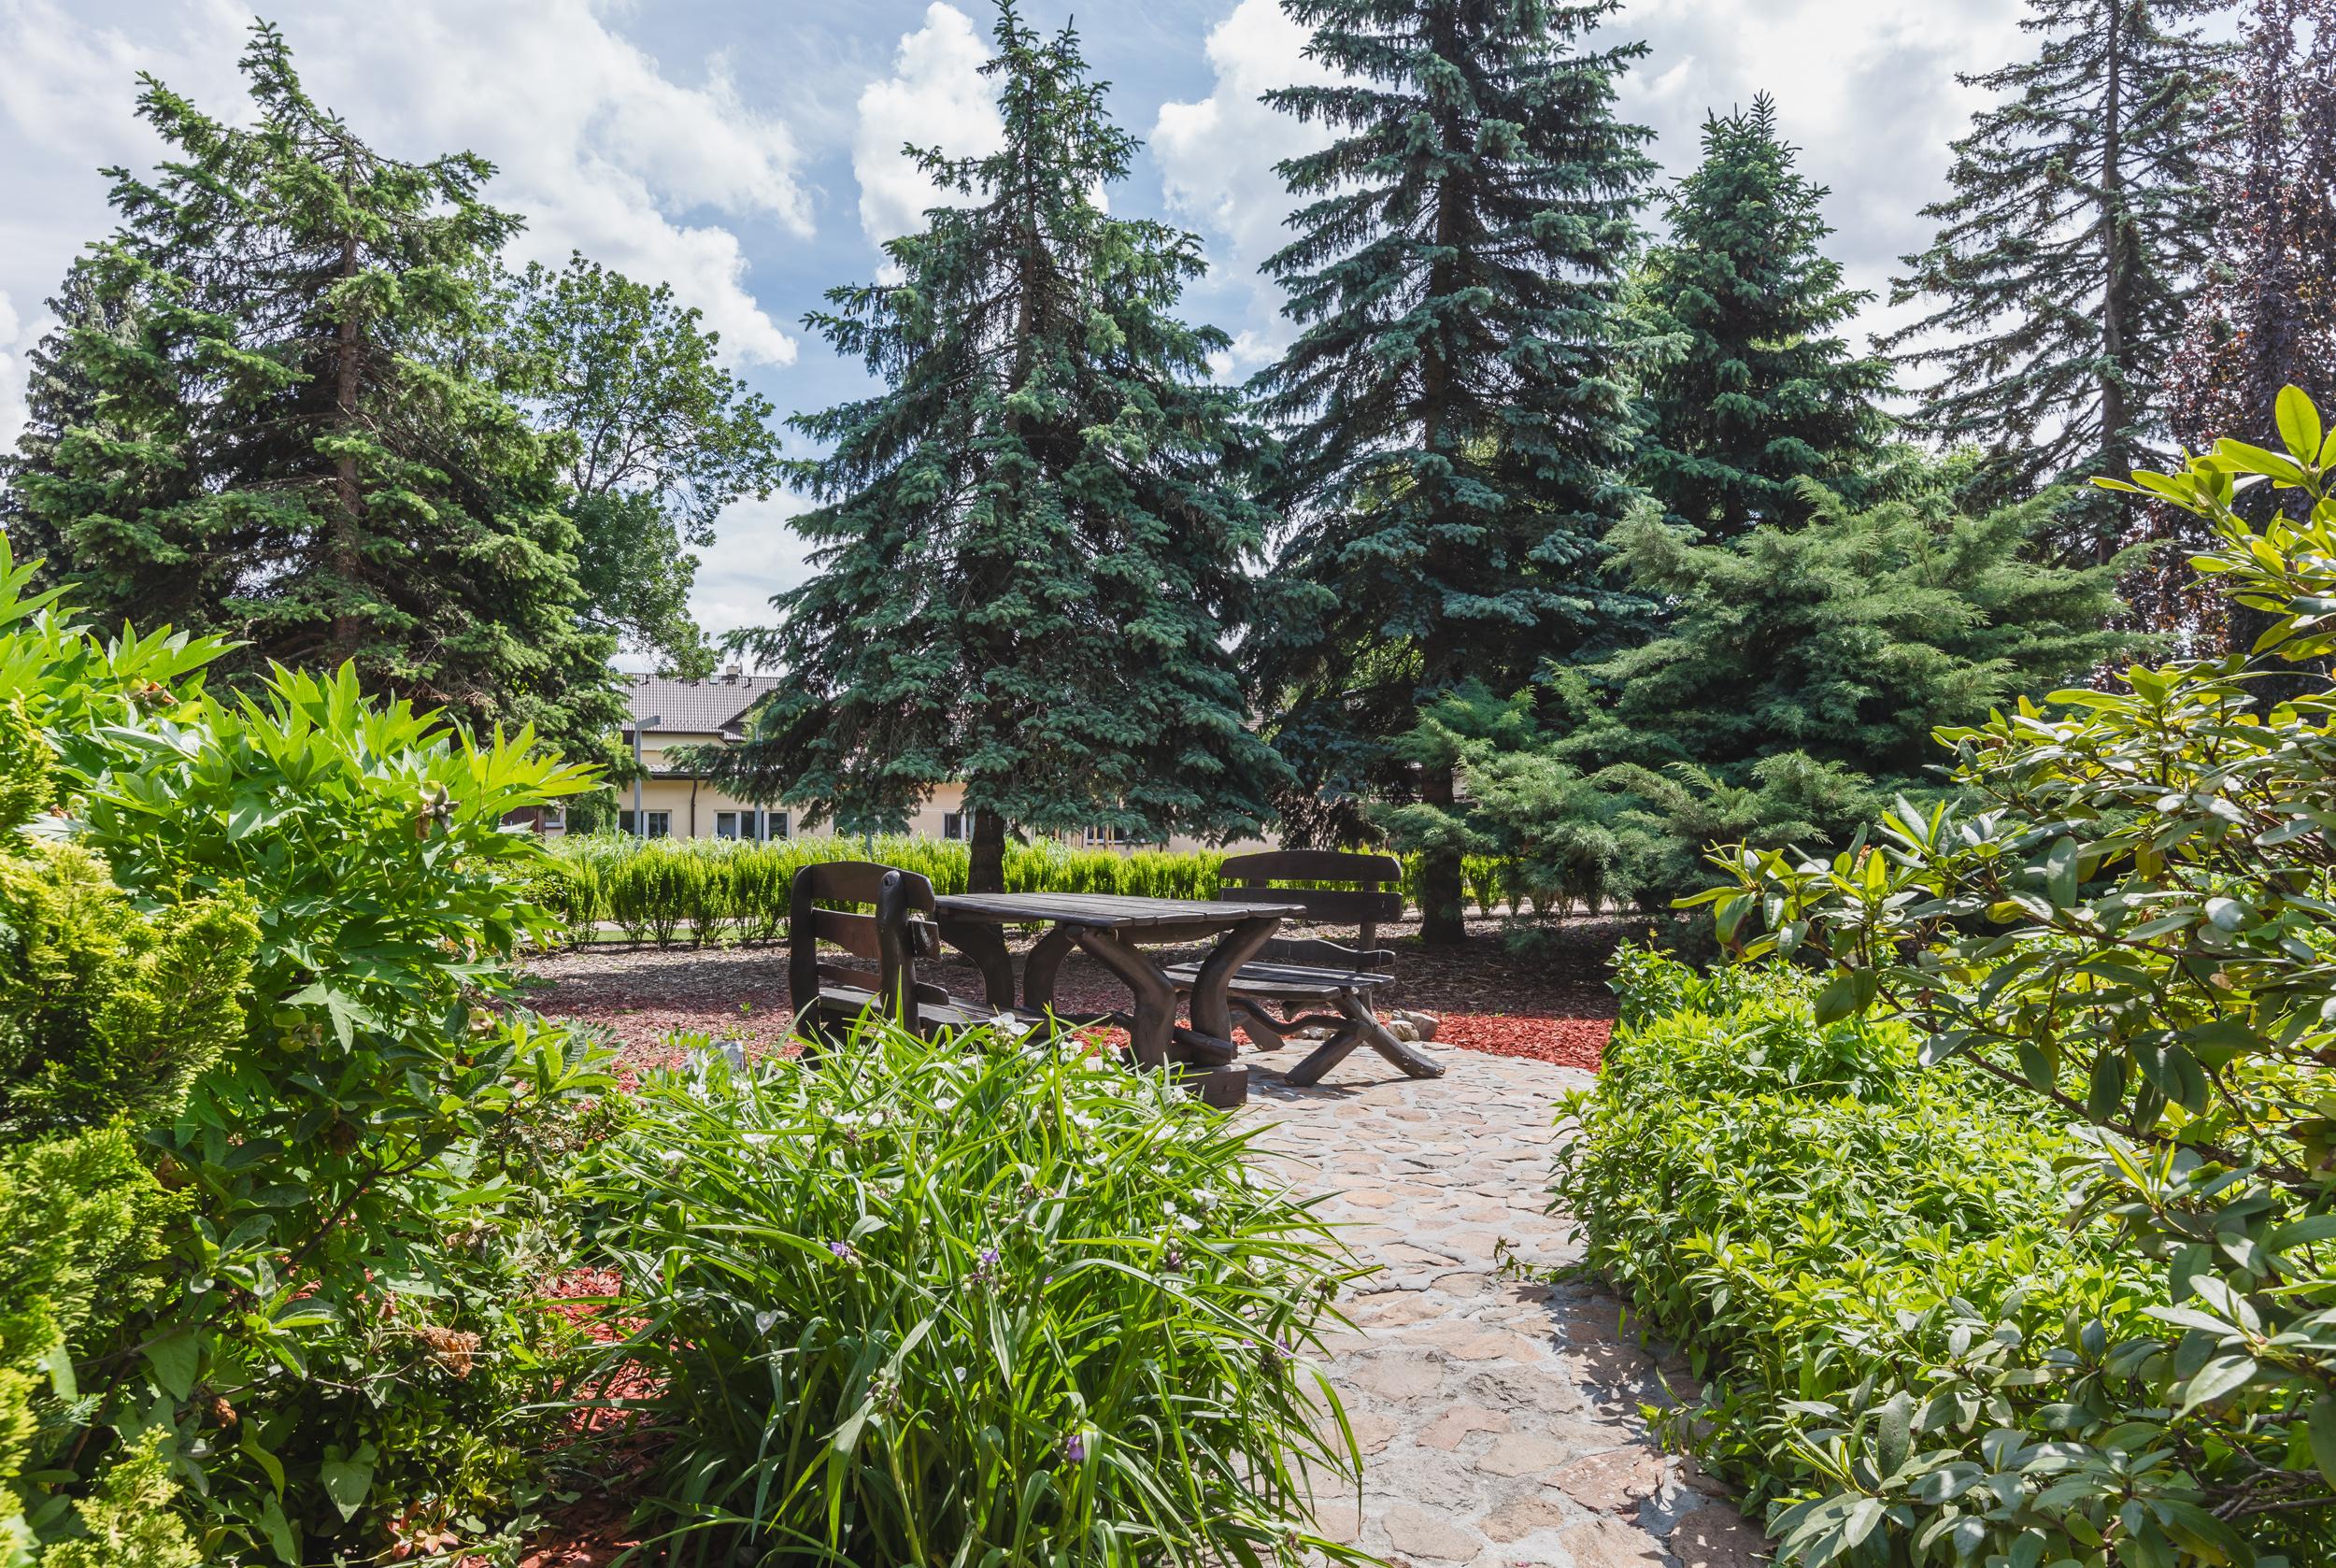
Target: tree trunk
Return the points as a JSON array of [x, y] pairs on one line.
[[2114, 417], [1442, 916], [348, 360], [984, 872]]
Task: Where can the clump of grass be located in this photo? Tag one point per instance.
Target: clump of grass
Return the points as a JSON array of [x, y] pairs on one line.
[[970, 1301]]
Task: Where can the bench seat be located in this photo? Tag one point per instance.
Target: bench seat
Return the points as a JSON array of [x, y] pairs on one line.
[[1295, 980]]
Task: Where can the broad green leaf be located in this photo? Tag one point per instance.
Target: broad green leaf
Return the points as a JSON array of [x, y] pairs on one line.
[[2299, 424]]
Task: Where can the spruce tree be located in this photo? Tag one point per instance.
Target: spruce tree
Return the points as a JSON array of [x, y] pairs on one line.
[[1754, 389], [2266, 318], [2067, 253], [259, 419], [1036, 535], [1455, 404]]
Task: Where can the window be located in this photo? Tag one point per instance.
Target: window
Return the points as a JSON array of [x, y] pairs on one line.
[[1107, 838], [780, 827], [659, 824], [726, 824], [953, 826]]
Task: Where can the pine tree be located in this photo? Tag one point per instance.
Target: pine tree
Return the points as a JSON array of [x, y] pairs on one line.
[[2266, 318], [2066, 255], [261, 418], [1035, 535], [1454, 403], [1755, 389]]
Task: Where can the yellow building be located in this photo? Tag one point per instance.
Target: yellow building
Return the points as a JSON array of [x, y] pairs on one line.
[[678, 802]]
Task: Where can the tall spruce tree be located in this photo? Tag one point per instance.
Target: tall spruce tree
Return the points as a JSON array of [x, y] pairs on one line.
[[2065, 258], [256, 420], [1754, 389], [2266, 318], [1036, 536], [1455, 402]]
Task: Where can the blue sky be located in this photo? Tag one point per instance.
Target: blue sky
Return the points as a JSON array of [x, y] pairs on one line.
[[744, 150]]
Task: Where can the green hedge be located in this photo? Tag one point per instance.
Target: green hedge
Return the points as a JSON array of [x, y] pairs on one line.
[[1869, 1264], [702, 891]]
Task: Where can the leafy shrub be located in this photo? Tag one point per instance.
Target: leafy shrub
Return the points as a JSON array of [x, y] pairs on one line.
[[1870, 1266], [967, 1301], [2132, 925], [271, 1215]]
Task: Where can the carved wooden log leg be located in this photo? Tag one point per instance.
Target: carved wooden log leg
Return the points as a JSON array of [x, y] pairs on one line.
[[1155, 998], [1212, 1014], [1045, 964], [1262, 1027], [985, 944], [1324, 1057], [1415, 1065]]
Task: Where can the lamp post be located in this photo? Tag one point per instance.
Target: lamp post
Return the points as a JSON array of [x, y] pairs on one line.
[[640, 818]]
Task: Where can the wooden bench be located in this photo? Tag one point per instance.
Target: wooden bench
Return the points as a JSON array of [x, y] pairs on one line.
[[887, 938], [1295, 972]]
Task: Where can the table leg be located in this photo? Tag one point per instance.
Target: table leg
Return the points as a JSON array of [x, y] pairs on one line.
[[1044, 965], [1212, 1014], [1155, 998], [985, 944]]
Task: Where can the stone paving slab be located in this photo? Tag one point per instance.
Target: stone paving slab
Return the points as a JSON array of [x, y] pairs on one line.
[[1498, 1418]]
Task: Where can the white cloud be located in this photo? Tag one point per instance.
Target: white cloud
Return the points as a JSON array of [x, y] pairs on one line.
[[602, 147], [1866, 87], [755, 555], [935, 98], [16, 338], [1216, 159]]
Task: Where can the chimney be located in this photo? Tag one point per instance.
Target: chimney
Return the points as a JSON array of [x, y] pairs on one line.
[[730, 676]]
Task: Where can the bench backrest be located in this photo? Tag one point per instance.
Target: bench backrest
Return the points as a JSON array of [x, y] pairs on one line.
[[1368, 890], [887, 938]]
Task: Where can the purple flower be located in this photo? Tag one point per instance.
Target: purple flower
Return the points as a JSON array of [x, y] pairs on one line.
[[845, 1253], [1075, 1449], [988, 1256]]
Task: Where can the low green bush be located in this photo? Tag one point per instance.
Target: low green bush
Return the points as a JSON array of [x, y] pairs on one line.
[[967, 1302], [1870, 1266]]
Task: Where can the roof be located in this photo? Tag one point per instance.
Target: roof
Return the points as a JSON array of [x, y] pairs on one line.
[[694, 706]]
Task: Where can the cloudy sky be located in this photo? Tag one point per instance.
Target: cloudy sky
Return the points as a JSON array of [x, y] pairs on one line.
[[747, 150]]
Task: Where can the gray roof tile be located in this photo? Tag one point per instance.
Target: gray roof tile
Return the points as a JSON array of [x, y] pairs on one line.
[[697, 707]]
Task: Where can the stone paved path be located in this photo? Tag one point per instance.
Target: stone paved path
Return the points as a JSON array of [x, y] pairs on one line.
[[1499, 1419]]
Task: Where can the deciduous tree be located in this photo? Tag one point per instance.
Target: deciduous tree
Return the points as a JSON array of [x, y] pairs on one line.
[[656, 440]]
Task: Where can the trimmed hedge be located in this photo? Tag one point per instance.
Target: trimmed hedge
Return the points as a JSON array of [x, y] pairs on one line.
[[702, 890]]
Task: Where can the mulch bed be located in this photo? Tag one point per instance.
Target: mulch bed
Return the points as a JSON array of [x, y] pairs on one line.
[[1550, 1006]]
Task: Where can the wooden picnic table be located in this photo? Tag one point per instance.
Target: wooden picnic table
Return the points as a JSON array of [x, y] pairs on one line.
[[1114, 931]]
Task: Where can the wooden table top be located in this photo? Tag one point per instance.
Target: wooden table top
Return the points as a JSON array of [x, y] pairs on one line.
[[1103, 911]]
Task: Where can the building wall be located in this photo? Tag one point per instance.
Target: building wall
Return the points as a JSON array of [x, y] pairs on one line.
[[693, 807]]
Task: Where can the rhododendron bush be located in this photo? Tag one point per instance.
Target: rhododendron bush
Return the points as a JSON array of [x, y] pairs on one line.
[[273, 1193]]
